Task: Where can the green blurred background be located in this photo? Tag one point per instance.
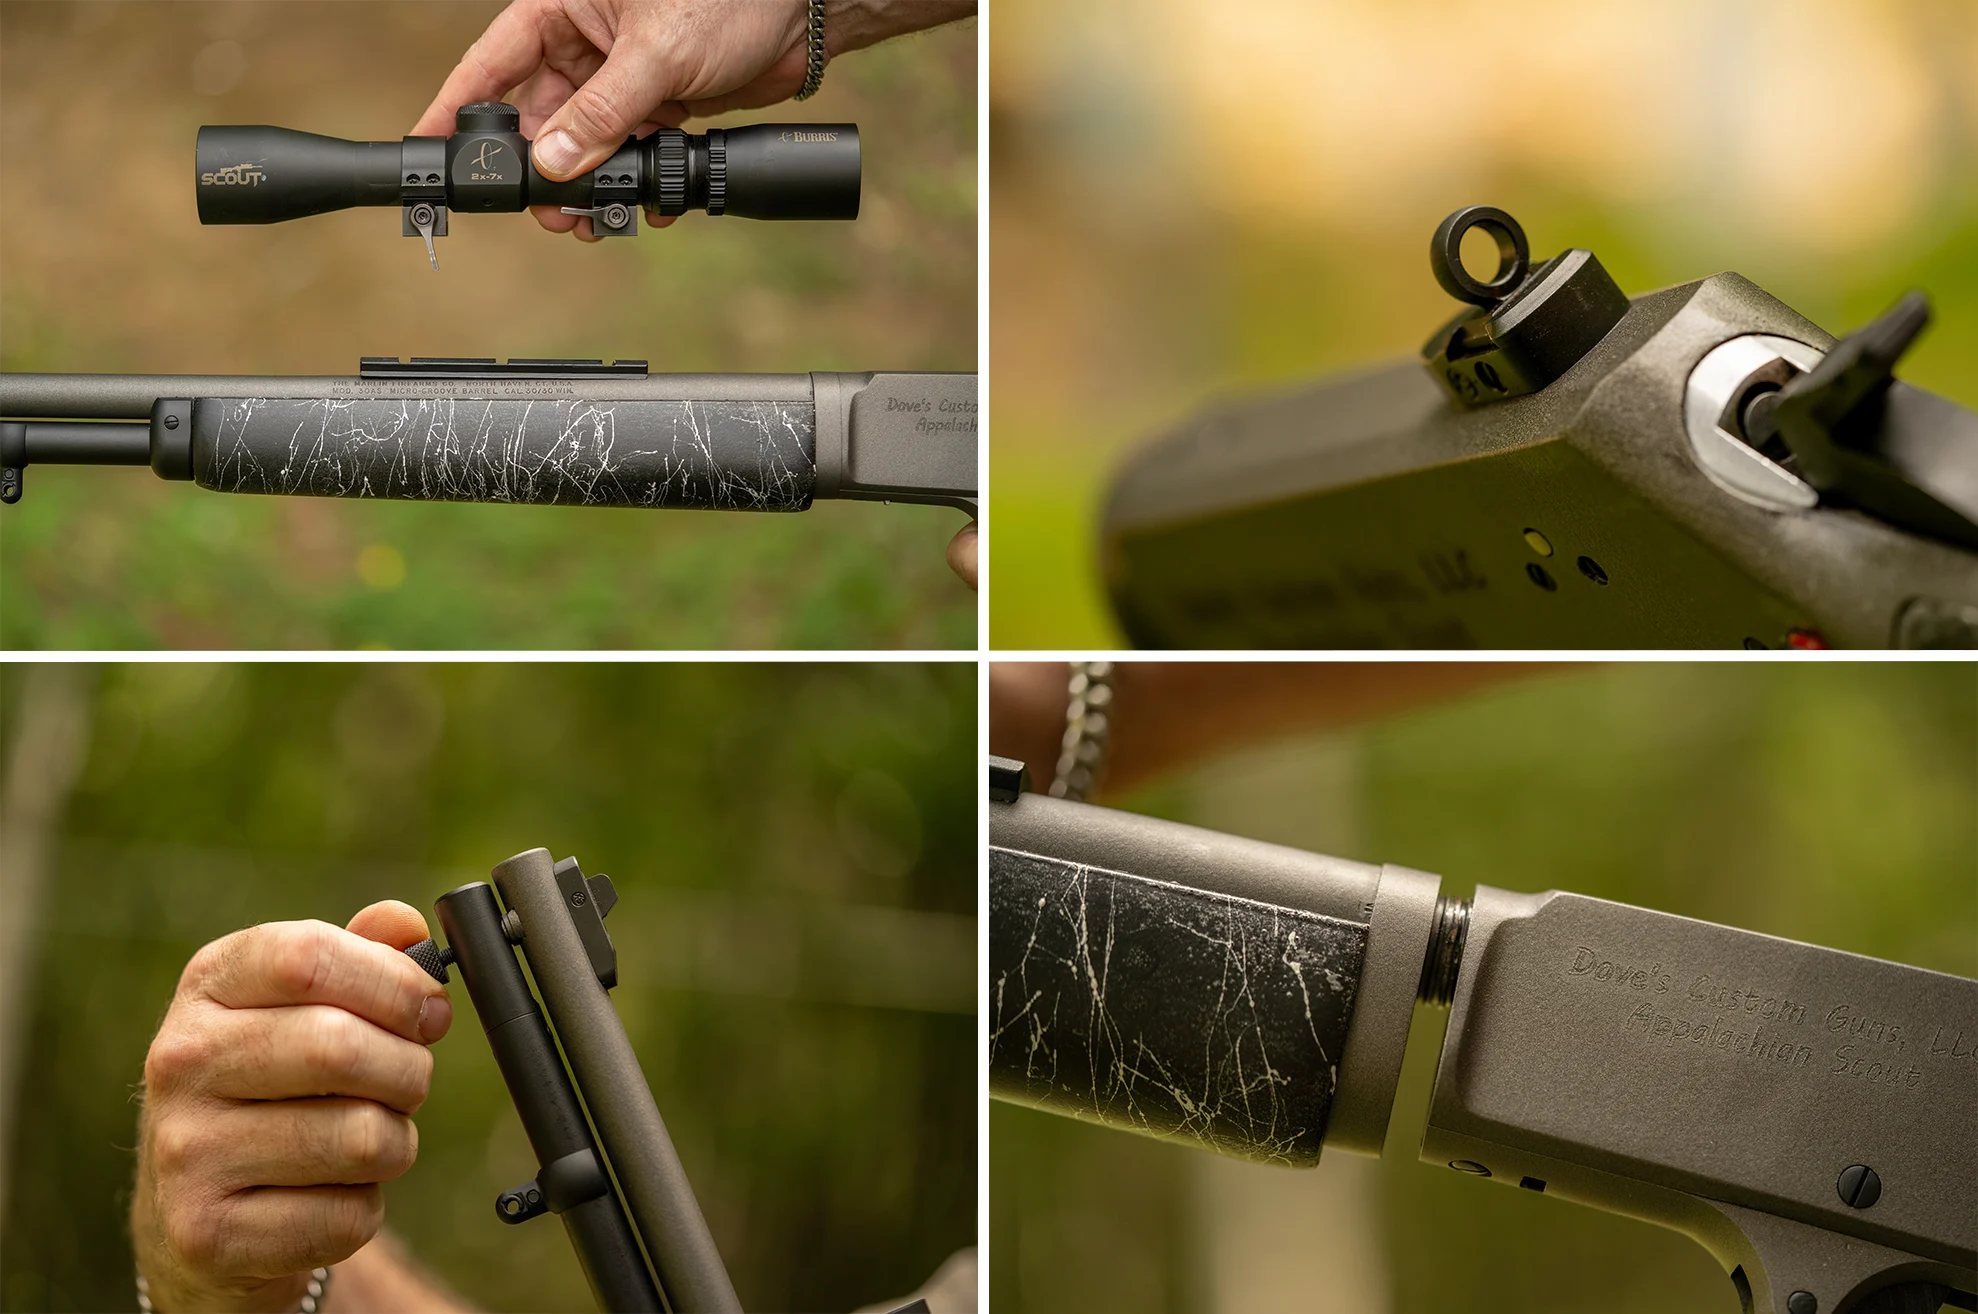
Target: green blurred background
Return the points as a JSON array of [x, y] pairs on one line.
[[1832, 804], [1193, 201], [104, 267], [795, 846]]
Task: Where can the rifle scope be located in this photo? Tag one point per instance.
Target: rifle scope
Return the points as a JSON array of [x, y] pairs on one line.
[[265, 175]]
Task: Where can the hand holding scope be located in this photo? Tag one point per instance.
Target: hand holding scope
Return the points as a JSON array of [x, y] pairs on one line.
[[265, 175]]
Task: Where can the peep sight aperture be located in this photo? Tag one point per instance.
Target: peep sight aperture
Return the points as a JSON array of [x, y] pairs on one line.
[[265, 175]]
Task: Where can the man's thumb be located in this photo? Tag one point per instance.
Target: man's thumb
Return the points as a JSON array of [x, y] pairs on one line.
[[390, 922], [599, 115]]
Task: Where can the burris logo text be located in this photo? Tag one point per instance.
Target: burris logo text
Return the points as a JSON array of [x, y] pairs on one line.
[[234, 175], [810, 136]]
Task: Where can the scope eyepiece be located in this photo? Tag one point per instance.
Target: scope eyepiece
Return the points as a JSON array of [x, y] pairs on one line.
[[265, 175]]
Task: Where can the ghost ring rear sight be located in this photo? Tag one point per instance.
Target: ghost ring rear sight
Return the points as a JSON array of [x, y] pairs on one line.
[[264, 175]]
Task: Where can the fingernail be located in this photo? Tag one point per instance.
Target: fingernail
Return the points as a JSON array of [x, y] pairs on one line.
[[557, 153], [435, 1016]]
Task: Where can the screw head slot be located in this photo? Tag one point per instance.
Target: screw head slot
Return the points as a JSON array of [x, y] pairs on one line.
[[1859, 1187]]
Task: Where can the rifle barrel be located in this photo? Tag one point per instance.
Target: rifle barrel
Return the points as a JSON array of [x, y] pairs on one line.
[[130, 396], [657, 1192], [544, 1099]]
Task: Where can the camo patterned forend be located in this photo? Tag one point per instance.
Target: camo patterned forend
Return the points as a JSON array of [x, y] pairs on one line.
[[714, 455], [1174, 1012]]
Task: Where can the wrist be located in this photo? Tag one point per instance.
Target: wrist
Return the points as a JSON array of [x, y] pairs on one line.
[[170, 1288], [856, 24], [283, 1295]]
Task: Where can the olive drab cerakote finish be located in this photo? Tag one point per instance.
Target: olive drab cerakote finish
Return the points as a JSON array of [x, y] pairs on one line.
[[1802, 1113], [1564, 467], [552, 915]]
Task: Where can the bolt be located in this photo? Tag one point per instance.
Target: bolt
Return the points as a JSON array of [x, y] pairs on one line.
[[1859, 1186], [422, 214], [577, 899], [511, 926], [171, 421], [616, 215], [1802, 1302], [1470, 1166]]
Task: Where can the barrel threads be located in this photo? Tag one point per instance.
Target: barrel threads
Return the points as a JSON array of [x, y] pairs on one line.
[[1445, 953]]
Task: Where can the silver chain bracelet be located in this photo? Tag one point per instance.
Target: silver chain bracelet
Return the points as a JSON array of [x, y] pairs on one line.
[[1088, 732], [813, 50], [312, 1296]]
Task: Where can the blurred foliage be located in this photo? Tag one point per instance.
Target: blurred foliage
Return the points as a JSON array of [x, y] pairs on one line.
[[1830, 803], [124, 278], [1189, 208], [795, 849]]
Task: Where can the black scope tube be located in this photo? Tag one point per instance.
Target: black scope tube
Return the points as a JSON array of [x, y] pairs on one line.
[[606, 1248], [259, 174], [615, 1090]]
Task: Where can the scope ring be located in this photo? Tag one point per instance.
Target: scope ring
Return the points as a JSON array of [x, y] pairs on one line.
[[1514, 255]]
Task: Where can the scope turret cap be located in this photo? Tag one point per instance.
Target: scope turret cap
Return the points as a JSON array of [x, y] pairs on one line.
[[487, 116]]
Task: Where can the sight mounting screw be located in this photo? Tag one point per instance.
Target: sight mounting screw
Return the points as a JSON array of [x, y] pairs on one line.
[[1859, 1186]]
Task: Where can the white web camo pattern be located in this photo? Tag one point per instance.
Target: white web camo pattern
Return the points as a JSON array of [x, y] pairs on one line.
[[1169, 1011], [722, 455]]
